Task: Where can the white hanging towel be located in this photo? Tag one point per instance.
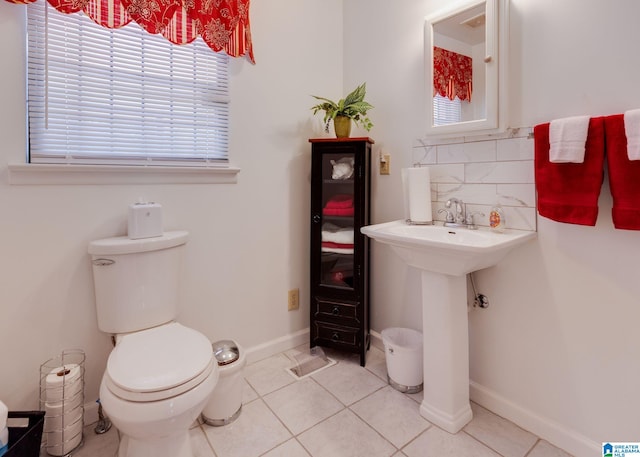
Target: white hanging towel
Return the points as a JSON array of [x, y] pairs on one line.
[[632, 130], [567, 139]]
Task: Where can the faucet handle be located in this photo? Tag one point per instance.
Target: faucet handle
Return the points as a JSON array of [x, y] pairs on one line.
[[449, 217], [471, 225], [452, 200]]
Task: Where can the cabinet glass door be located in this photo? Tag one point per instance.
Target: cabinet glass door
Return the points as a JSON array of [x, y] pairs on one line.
[[338, 178]]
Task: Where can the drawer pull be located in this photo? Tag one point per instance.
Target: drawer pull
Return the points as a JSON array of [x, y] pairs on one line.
[[335, 311], [335, 337]]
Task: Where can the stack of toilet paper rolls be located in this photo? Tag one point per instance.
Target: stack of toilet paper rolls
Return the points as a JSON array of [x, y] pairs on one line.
[[64, 408]]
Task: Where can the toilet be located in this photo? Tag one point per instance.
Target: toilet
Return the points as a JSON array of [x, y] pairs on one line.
[[160, 374]]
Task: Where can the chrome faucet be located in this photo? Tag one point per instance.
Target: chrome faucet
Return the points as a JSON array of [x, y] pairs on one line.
[[459, 219], [459, 216]]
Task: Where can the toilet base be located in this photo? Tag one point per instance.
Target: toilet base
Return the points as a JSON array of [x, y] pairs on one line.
[[178, 445], [157, 428], [221, 422]]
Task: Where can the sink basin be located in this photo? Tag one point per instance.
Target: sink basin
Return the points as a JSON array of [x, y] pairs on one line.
[[445, 255], [451, 251]]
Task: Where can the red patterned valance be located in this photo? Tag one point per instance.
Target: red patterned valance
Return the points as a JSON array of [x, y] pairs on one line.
[[452, 74], [222, 24]]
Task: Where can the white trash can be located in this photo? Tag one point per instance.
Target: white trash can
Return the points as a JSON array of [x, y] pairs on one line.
[[225, 404], [403, 353]]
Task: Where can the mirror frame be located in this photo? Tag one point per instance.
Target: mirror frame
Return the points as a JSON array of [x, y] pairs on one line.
[[496, 32]]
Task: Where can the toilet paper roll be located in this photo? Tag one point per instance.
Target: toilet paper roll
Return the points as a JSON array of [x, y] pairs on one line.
[[66, 405], [404, 172], [58, 418], [62, 442], [63, 382], [418, 194], [56, 396]]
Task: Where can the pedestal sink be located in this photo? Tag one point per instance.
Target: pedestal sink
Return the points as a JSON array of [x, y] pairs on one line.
[[445, 256]]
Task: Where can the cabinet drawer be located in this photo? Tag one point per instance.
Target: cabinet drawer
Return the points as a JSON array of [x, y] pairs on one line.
[[337, 334], [346, 313]]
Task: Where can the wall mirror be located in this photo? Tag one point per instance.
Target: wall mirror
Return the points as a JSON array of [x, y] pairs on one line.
[[465, 55]]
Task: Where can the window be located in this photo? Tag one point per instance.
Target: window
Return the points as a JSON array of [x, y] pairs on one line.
[[122, 97], [446, 111]]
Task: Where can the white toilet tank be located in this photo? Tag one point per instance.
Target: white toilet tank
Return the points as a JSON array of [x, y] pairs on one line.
[[136, 281]]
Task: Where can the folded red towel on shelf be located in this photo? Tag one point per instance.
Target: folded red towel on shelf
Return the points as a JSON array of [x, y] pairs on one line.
[[340, 201], [330, 244], [337, 211], [624, 176], [568, 192]]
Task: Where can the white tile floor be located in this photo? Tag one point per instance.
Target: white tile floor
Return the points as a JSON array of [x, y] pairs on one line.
[[344, 410]]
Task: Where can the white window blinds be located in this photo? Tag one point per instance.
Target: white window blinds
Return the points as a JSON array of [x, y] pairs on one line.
[[124, 97], [446, 111]]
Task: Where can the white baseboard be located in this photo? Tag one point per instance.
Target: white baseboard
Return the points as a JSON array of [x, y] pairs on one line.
[[557, 434], [90, 413], [273, 347], [376, 340]]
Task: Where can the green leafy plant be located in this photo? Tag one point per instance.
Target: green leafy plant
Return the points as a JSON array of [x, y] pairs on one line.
[[352, 106]]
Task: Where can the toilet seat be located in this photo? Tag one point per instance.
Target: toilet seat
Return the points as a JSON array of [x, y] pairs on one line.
[[158, 363]]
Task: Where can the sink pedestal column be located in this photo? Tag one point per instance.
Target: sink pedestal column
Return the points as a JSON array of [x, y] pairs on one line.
[[452, 253], [446, 351]]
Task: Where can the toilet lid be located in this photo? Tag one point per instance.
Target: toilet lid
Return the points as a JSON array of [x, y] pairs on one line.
[[161, 359]]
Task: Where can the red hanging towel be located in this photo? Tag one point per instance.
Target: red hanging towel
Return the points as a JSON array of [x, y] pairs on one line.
[[568, 192], [624, 176]]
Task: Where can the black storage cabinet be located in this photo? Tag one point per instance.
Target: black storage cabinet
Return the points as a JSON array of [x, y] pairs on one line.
[[25, 440], [340, 206]]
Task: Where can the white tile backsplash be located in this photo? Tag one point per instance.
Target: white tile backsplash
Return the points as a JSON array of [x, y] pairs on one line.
[[521, 218], [481, 151], [486, 194], [483, 173], [514, 149], [423, 154], [499, 172], [516, 195], [447, 173]]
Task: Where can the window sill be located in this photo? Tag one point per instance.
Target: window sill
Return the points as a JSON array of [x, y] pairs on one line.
[[44, 174]]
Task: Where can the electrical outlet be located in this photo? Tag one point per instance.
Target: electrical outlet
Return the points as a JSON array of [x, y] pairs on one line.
[[385, 164], [294, 299]]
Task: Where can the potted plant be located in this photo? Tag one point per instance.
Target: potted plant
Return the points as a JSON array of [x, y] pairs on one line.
[[352, 107]]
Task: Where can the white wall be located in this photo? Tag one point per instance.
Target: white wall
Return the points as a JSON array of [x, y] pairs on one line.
[[249, 241], [557, 351], [557, 348]]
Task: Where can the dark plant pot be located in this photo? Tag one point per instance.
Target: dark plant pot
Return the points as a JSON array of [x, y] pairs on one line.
[[342, 126]]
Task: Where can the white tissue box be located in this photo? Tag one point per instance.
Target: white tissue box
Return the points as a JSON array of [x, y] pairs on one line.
[[145, 220]]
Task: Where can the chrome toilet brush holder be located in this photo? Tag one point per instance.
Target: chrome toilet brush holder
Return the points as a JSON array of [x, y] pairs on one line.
[[104, 424]]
